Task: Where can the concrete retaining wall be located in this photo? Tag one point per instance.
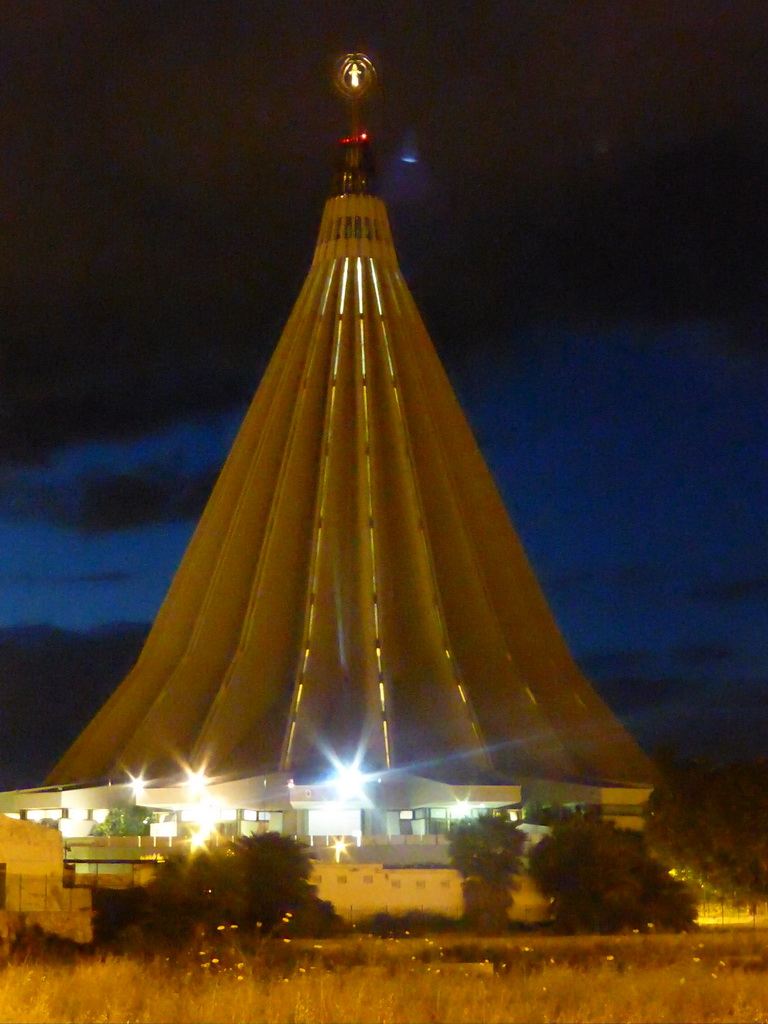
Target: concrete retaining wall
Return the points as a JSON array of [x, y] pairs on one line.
[[360, 890], [33, 891], [30, 849]]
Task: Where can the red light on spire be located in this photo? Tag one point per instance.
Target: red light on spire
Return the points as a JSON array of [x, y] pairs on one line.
[[350, 140]]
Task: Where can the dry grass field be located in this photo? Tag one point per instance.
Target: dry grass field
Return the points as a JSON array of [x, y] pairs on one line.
[[698, 977]]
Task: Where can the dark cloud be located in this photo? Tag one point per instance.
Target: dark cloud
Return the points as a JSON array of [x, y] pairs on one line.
[[694, 697], [671, 235], [139, 499], [64, 580], [725, 723], [630, 577], [128, 377], [36, 500], [645, 697], [694, 719], [741, 696], [646, 579], [679, 235], [662, 710], [731, 590], [99, 503], [54, 681], [619, 666], [164, 168], [697, 656]]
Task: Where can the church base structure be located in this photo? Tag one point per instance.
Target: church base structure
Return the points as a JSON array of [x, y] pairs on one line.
[[391, 818]]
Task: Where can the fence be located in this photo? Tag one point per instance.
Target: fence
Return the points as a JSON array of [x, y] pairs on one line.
[[105, 873], [40, 893], [729, 913]]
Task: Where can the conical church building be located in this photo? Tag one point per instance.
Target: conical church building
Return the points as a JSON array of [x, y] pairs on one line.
[[355, 603]]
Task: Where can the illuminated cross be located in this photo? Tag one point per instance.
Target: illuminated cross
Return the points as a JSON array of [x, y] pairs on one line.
[[354, 75]]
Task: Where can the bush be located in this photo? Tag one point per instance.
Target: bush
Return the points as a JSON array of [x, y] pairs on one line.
[[487, 854], [124, 821], [602, 879], [257, 885], [115, 911], [707, 820]]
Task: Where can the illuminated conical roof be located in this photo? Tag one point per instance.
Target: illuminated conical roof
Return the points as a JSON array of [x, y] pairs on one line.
[[354, 588]]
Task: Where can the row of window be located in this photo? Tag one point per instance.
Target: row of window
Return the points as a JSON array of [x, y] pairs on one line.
[[396, 883], [437, 813], [225, 814], [100, 815], [353, 227]]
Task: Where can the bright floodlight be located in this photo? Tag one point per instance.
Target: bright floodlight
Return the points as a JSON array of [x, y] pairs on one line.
[[349, 782], [207, 817], [137, 785], [196, 781], [460, 809], [198, 839], [339, 847]]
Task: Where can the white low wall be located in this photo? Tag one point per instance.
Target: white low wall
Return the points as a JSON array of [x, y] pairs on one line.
[[33, 890], [27, 848], [360, 890]]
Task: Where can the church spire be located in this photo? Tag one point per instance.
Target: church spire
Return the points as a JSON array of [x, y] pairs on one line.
[[355, 592], [354, 166], [355, 79]]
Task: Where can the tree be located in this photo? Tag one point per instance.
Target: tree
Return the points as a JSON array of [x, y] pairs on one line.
[[487, 854], [602, 879], [253, 883], [711, 823], [124, 821]]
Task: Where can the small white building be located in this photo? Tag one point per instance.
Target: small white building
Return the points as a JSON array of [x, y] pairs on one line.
[[32, 890], [388, 809]]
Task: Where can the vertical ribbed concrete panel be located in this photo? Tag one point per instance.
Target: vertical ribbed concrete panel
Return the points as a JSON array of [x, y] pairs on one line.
[[354, 588]]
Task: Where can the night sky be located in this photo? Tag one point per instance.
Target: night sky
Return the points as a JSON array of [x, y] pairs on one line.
[[579, 195]]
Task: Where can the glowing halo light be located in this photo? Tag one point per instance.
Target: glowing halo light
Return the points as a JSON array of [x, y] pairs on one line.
[[460, 809], [339, 847], [355, 75], [348, 782], [198, 839], [206, 816], [138, 786], [196, 781]]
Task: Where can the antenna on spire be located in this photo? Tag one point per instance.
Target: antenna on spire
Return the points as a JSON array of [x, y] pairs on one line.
[[354, 78]]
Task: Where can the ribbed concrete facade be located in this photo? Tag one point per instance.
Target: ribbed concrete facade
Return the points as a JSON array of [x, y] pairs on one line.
[[354, 589]]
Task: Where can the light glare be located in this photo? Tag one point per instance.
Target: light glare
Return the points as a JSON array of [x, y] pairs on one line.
[[349, 782], [196, 781], [138, 787]]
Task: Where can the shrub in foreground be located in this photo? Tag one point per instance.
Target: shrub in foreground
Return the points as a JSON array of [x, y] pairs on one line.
[[256, 885], [602, 879], [487, 854]]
